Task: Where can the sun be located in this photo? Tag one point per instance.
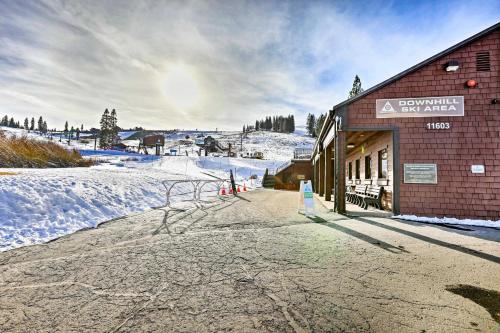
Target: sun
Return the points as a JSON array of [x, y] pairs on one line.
[[180, 87]]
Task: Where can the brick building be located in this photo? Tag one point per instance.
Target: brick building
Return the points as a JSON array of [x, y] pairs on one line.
[[430, 136]]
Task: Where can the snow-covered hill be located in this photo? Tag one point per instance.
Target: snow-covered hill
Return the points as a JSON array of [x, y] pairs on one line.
[[37, 205]]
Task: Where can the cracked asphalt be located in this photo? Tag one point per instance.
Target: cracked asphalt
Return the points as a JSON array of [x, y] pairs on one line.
[[251, 264]]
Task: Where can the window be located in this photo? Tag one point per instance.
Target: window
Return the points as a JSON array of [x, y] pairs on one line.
[[357, 169], [350, 170], [368, 167], [382, 163]]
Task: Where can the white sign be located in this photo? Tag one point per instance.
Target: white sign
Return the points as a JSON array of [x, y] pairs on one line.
[[306, 193], [477, 168], [420, 107]]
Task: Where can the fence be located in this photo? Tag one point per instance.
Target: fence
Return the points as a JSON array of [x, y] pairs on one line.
[[192, 190]]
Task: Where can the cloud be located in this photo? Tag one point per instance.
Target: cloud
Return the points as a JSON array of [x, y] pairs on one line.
[[68, 60]]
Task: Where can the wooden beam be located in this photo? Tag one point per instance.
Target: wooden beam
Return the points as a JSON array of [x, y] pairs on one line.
[[328, 173]]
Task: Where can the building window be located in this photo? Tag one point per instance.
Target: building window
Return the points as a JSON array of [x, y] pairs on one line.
[[358, 174], [350, 170], [382, 163], [368, 167]]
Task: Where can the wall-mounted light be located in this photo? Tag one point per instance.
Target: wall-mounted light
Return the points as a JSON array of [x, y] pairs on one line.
[[495, 101], [350, 145], [451, 66], [471, 83]]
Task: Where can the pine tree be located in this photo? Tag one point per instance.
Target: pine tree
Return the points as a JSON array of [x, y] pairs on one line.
[[44, 127], [105, 130], [40, 124], [5, 121], [78, 133], [319, 123], [12, 123], [356, 87], [113, 127], [256, 125], [292, 124], [244, 129], [66, 128], [26, 124], [311, 125], [32, 126]]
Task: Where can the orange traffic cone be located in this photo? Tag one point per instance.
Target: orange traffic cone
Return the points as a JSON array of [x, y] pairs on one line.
[[244, 187], [230, 190], [223, 190], [239, 190]]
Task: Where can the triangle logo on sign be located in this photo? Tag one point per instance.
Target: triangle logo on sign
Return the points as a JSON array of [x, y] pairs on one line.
[[387, 108]]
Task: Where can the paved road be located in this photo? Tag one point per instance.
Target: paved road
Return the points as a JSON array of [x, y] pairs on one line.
[[252, 265]]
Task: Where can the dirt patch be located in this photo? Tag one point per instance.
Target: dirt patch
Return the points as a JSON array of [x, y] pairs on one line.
[[5, 173], [488, 299]]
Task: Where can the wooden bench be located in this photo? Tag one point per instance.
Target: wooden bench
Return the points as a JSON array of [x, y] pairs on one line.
[[372, 195], [349, 193], [359, 193]]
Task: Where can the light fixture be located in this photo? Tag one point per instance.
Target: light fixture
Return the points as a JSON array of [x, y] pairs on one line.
[[471, 83], [451, 66], [350, 145]]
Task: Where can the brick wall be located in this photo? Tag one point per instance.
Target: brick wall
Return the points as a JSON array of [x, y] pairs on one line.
[[473, 139]]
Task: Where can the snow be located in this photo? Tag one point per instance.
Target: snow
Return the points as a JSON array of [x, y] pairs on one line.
[[37, 205], [449, 220]]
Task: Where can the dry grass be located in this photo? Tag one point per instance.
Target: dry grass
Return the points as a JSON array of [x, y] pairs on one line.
[[22, 152], [4, 173]]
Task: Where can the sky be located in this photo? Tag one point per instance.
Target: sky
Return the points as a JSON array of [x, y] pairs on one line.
[[212, 64]]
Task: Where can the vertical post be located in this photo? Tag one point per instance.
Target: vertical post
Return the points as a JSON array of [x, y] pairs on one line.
[[340, 159], [328, 173], [322, 174], [314, 176]]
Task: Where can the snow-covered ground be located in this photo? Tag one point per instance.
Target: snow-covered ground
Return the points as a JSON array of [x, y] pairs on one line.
[[449, 220], [37, 205]]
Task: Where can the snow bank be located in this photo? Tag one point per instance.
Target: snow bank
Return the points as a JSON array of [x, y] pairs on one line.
[[37, 205], [449, 220]]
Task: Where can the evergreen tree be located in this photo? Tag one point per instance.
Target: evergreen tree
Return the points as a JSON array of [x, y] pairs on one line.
[[12, 123], [105, 130], [244, 129], [356, 87], [66, 128], [81, 129], [78, 133], [311, 124], [292, 124], [256, 125], [26, 124], [319, 123], [32, 126], [5, 121], [113, 127], [44, 127], [40, 124]]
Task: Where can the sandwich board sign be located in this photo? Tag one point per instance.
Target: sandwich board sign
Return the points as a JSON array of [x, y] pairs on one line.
[[306, 199]]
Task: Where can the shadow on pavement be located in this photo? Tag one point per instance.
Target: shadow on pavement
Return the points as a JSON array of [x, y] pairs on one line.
[[434, 241], [363, 237]]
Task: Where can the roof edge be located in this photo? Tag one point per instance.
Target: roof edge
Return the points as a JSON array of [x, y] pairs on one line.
[[419, 65]]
